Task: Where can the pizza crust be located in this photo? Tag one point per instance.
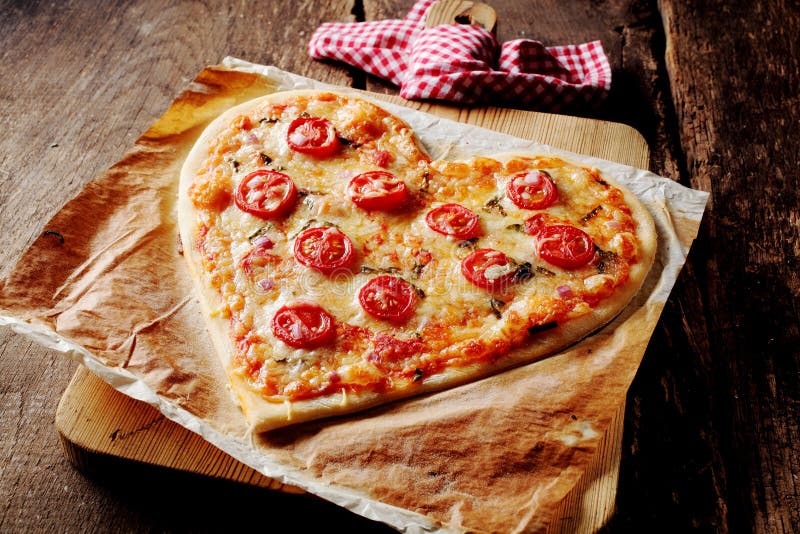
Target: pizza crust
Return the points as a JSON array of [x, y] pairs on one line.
[[265, 415]]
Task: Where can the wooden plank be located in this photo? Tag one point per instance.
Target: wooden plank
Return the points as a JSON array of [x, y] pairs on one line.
[[461, 12], [96, 423], [728, 349], [93, 420]]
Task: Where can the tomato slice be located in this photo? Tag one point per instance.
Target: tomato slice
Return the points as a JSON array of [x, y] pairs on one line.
[[453, 220], [303, 325], [533, 190], [564, 246], [538, 221], [266, 194], [314, 136], [388, 297], [489, 269], [378, 190], [324, 248]]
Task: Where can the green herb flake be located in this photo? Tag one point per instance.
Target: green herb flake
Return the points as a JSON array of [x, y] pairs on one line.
[[306, 192], [494, 204], [426, 182], [305, 227], [606, 259], [261, 231], [468, 243], [419, 291], [366, 269], [497, 306], [348, 142], [543, 271], [523, 273], [591, 214], [533, 330]]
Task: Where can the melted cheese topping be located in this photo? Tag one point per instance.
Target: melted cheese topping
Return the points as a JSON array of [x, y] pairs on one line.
[[455, 323]]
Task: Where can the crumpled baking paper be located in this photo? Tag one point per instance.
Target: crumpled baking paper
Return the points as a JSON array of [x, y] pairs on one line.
[[495, 455]]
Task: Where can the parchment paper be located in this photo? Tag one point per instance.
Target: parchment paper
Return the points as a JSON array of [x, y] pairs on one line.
[[495, 455]]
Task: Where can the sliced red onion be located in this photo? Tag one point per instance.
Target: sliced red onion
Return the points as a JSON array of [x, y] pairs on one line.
[[266, 284], [613, 224], [250, 138], [564, 291], [264, 242]]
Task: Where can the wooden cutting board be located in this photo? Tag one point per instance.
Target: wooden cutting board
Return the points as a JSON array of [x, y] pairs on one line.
[[97, 423]]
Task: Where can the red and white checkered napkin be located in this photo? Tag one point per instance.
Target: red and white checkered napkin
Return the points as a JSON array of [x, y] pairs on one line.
[[466, 64]]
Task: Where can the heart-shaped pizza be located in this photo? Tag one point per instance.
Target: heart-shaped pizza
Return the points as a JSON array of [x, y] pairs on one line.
[[339, 267]]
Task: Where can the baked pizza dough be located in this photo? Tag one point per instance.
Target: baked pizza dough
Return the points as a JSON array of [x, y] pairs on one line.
[[339, 267]]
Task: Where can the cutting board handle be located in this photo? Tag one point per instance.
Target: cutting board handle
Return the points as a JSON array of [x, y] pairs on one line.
[[461, 12]]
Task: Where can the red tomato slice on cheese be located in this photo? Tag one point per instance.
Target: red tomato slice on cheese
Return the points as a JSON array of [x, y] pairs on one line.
[[564, 246], [303, 325], [388, 297], [324, 248], [537, 222], [533, 190], [313, 136], [266, 194], [378, 190], [489, 269], [454, 220]]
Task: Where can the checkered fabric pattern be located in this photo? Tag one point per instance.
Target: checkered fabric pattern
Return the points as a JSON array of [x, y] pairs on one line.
[[466, 64]]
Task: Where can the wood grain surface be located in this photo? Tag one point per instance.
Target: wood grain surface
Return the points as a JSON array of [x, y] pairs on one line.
[[711, 437]]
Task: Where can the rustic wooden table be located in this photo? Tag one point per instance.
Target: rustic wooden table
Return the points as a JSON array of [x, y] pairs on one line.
[[712, 435]]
